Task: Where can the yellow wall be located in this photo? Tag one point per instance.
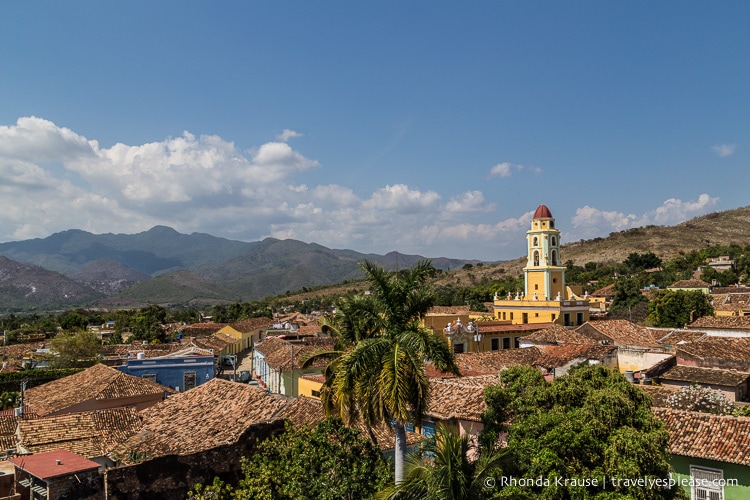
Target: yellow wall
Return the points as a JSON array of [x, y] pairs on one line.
[[244, 338], [306, 387]]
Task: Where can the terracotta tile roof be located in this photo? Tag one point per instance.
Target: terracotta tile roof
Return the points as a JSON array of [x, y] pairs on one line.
[[8, 425], [308, 329], [315, 377], [705, 376], [620, 331], [690, 284], [674, 337], [560, 355], [459, 397], [726, 348], [721, 322], [308, 412], [149, 350], [492, 327], [252, 324], [731, 302], [215, 342], [707, 436], [200, 329], [558, 334], [491, 363], [658, 393], [97, 382], [89, 434], [54, 463], [213, 414], [278, 352]]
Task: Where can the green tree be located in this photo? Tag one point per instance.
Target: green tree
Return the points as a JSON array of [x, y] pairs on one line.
[[676, 308], [74, 349], [590, 425], [147, 324], [444, 471], [638, 262], [328, 462], [381, 378]]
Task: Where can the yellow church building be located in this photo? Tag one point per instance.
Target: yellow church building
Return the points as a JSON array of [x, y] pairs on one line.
[[546, 298]]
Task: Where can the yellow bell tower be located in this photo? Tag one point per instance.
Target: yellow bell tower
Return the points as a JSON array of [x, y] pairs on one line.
[[545, 298], [544, 273]]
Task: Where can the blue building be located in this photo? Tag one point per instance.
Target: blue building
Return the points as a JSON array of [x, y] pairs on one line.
[[180, 373]]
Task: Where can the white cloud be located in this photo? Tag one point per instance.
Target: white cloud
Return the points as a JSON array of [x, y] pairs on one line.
[[52, 179], [724, 150], [506, 169], [471, 201], [590, 222], [673, 211], [288, 134], [401, 199]]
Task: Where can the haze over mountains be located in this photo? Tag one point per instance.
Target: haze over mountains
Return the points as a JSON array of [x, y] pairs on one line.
[[161, 266], [76, 268]]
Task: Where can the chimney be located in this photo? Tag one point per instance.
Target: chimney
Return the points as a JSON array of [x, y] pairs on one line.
[[58, 461]]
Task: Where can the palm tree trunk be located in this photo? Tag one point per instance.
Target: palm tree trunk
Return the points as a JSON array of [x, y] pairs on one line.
[[399, 451]]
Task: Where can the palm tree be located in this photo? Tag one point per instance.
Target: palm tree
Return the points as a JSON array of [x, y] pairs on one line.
[[447, 473], [381, 376]]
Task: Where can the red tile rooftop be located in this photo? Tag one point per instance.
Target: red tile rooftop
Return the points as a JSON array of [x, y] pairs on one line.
[[53, 464], [708, 347], [721, 323], [94, 383], [707, 436], [213, 414], [690, 284], [620, 331]]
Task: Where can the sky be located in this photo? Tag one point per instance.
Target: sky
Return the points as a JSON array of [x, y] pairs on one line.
[[425, 127]]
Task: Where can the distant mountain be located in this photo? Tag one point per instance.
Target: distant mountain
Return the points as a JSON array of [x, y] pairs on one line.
[[160, 249], [28, 287], [108, 276], [163, 266], [717, 228], [183, 288]]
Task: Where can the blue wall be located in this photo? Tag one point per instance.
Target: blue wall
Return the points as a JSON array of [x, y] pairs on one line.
[[171, 371]]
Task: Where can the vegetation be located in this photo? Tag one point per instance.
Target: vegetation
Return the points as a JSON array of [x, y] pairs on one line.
[[443, 470], [381, 379], [330, 461], [698, 398], [675, 309], [75, 349], [585, 428]]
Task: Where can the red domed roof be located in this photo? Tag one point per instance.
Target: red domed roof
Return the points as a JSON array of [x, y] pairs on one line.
[[542, 212]]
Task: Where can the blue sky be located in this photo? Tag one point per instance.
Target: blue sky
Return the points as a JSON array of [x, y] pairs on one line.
[[424, 127]]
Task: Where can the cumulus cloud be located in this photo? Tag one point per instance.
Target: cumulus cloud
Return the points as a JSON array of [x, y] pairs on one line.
[[590, 222], [472, 201], [724, 150], [288, 134], [53, 179], [673, 211], [506, 169], [400, 198]]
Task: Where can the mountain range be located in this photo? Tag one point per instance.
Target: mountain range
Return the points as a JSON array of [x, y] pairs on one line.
[[76, 268]]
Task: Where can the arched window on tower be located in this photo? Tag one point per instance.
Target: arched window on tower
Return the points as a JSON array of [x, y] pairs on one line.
[[536, 258], [554, 241], [554, 257], [536, 242]]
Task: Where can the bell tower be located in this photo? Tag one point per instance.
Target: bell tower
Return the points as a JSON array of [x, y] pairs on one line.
[[544, 273]]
